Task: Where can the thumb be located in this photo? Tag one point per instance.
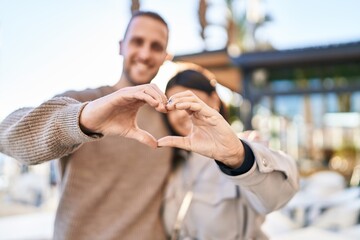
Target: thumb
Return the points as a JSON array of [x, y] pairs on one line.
[[174, 141], [143, 137]]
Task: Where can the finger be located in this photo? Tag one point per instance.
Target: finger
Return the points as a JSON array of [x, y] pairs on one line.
[[149, 99], [160, 93], [143, 137], [199, 108], [189, 106], [182, 102], [154, 91], [180, 97], [175, 141], [156, 94]]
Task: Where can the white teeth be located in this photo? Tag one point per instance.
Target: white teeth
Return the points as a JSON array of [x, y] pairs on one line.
[[141, 66]]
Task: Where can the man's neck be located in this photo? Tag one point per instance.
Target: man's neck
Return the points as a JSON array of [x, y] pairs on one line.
[[123, 82]]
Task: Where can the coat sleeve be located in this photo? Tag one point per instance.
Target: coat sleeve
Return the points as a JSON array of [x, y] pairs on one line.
[[49, 131], [271, 182]]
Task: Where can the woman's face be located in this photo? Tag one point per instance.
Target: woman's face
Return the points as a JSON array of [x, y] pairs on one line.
[[179, 119]]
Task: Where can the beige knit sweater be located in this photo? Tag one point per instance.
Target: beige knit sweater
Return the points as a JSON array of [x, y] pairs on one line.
[[111, 187]]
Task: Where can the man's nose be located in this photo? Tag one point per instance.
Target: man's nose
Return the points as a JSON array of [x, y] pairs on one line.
[[145, 52]]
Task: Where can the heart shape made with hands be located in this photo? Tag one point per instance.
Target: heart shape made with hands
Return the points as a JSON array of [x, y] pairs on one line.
[[143, 135], [167, 141], [209, 132], [117, 114]]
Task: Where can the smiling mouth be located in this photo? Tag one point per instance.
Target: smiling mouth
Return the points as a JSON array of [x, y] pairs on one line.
[[142, 67]]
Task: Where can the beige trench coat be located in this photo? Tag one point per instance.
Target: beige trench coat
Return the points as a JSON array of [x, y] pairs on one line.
[[229, 207]]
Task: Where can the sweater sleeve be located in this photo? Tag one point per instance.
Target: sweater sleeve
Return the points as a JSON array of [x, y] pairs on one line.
[[49, 131]]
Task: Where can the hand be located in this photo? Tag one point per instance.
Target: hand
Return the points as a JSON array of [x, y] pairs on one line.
[[115, 114], [211, 135]]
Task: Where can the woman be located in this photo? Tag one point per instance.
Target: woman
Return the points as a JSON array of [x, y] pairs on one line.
[[207, 199]]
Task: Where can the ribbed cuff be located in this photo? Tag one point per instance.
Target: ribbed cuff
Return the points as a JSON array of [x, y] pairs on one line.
[[249, 160]]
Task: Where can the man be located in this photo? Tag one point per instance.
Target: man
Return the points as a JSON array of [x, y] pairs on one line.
[[111, 183]]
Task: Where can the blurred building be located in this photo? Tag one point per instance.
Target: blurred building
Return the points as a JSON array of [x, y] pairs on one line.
[[304, 101]]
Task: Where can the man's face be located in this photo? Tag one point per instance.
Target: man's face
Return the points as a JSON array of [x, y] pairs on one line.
[[144, 49]]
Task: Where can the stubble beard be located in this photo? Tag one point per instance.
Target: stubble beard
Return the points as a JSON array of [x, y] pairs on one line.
[[136, 83]]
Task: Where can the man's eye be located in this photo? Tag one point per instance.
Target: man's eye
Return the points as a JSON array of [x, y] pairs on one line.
[[157, 47], [137, 41]]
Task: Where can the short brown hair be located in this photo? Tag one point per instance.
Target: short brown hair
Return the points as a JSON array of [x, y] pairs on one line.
[[150, 14]]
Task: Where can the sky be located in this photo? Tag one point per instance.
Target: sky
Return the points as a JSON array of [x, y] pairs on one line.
[[48, 47]]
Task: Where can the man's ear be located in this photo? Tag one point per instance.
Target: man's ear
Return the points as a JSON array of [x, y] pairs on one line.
[[120, 47], [169, 57]]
